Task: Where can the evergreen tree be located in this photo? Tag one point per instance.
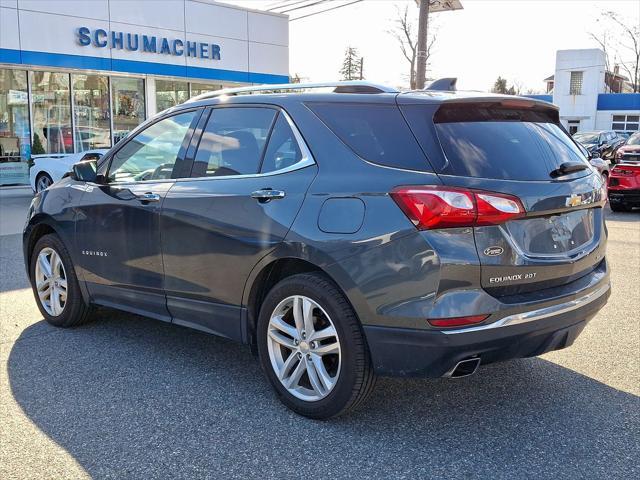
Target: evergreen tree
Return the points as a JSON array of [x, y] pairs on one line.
[[351, 66], [500, 86], [37, 148]]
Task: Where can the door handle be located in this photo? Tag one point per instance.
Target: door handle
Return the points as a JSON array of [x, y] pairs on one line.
[[148, 197], [267, 194]]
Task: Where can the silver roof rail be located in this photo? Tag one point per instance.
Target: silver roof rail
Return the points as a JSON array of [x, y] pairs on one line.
[[350, 86]]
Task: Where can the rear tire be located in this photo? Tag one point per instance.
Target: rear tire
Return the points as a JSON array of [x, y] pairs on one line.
[[619, 207], [55, 284], [339, 358]]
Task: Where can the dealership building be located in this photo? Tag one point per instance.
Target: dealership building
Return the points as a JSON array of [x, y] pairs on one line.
[[77, 75], [591, 96]]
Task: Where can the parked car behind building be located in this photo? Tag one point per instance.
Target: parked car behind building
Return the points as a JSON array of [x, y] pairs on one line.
[[604, 142]]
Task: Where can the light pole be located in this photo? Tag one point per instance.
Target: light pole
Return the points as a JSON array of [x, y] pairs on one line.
[[427, 6]]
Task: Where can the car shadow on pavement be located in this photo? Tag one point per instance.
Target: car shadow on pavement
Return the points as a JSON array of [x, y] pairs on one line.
[[13, 275], [626, 217], [133, 398]]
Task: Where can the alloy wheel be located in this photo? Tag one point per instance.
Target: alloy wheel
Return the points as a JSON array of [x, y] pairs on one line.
[[43, 183], [304, 348], [51, 281]]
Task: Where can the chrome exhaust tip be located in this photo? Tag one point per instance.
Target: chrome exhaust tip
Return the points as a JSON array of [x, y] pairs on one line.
[[464, 368]]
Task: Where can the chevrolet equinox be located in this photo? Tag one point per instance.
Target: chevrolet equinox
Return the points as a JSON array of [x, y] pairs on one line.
[[343, 231]]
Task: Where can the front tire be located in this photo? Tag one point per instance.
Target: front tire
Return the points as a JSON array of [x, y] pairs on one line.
[[55, 285], [312, 348]]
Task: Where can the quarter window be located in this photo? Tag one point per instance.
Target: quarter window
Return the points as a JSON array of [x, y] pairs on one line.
[[233, 141], [376, 132], [152, 153]]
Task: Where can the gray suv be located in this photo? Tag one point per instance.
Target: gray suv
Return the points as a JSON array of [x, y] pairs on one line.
[[343, 231]]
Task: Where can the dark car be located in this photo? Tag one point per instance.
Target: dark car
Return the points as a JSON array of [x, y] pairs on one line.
[[603, 166], [604, 142], [342, 234]]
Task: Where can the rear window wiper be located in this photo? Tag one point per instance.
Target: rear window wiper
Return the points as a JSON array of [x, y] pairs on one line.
[[567, 168]]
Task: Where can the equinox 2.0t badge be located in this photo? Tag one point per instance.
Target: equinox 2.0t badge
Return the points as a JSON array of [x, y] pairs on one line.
[[493, 251]]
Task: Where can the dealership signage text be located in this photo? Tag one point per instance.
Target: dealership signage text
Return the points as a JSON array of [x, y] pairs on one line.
[[135, 42]]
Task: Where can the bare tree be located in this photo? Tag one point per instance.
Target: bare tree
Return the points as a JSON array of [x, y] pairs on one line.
[[405, 32], [603, 41], [626, 49]]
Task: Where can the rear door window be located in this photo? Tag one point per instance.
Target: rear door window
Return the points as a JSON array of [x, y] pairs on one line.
[[233, 141], [283, 150], [376, 132], [489, 141]]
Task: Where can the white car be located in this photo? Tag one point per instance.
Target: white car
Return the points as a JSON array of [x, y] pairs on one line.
[[46, 170]]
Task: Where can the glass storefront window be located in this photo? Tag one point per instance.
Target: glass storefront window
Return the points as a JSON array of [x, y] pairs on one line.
[[199, 88], [91, 112], [15, 143], [170, 93], [51, 107], [128, 105]]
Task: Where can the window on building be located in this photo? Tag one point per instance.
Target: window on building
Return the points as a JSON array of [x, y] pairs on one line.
[[91, 112], [51, 107], [170, 93], [200, 88], [128, 105], [626, 123], [575, 83], [152, 153], [233, 141], [14, 127]]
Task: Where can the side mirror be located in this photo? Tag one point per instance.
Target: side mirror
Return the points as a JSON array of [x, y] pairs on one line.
[[594, 154], [86, 171]]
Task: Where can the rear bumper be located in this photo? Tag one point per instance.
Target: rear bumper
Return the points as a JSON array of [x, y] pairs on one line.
[[431, 353], [629, 196]]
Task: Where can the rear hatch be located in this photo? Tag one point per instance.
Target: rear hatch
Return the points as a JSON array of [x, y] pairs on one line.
[[516, 148]]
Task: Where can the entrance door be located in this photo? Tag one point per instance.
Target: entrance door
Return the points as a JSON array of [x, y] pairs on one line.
[[574, 126], [118, 228]]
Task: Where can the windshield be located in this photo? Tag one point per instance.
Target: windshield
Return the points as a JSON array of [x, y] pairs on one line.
[[586, 137], [634, 139]]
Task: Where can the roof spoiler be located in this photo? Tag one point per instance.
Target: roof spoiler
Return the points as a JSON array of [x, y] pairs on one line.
[[444, 84]]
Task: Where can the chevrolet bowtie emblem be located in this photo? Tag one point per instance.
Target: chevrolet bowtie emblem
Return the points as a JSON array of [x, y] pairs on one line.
[[574, 200]]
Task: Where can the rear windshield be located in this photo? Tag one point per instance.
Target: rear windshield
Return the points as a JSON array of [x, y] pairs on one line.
[[502, 143], [376, 132]]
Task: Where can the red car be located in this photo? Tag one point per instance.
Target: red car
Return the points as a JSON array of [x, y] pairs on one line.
[[624, 178]]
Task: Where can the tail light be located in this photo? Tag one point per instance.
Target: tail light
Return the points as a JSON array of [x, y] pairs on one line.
[[457, 321], [446, 207], [625, 170]]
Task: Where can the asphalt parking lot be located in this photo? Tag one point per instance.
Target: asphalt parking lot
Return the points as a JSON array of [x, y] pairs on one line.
[[126, 397]]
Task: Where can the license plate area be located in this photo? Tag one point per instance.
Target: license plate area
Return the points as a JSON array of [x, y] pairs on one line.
[[554, 235]]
